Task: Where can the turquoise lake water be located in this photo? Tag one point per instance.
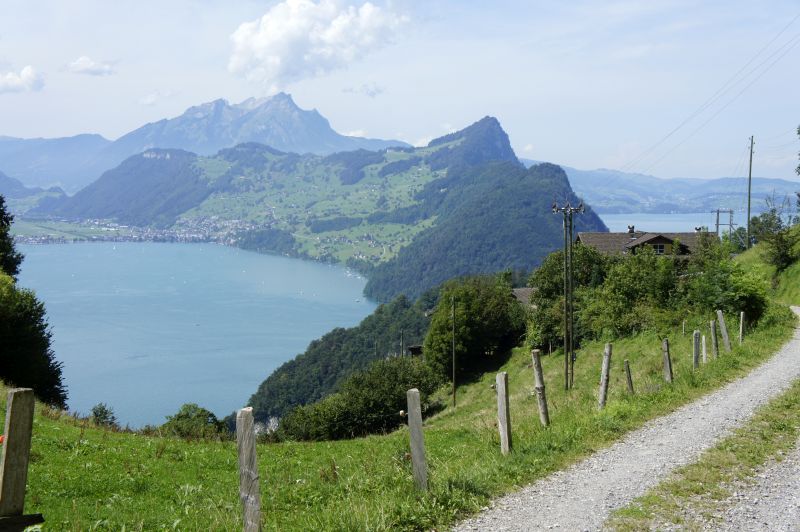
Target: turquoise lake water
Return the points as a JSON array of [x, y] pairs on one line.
[[672, 223], [147, 327]]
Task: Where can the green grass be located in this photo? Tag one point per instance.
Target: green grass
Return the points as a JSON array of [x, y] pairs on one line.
[[82, 477], [691, 495]]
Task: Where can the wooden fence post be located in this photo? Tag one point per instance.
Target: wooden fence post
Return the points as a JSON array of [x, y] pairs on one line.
[[723, 329], [667, 360], [541, 398], [704, 350], [249, 490], [696, 349], [741, 327], [417, 441], [14, 465], [503, 414], [601, 400], [683, 328], [714, 339], [628, 377]]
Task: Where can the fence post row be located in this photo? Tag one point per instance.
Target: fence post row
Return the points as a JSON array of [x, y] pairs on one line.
[[541, 397], [249, 491], [601, 400], [503, 414], [14, 465], [416, 439], [714, 339], [667, 360], [696, 349], [723, 329]]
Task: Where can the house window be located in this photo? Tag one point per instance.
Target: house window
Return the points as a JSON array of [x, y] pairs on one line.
[[658, 248]]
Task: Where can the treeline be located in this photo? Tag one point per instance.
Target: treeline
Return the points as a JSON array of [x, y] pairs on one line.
[[270, 240], [627, 294], [333, 224], [490, 218], [319, 370], [353, 163]]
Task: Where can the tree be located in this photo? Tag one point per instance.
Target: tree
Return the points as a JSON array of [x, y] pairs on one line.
[[103, 415], [546, 323], [488, 323], [780, 248], [194, 422], [26, 358], [10, 258]]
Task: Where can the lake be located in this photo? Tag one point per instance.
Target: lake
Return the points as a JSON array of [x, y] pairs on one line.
[[671, 223], [147, 327]]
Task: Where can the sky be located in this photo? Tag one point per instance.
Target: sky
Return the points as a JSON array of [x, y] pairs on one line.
[[668, 88]]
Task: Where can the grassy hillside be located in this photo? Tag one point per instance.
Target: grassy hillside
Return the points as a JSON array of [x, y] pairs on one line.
[[785, 286], [83, 477]]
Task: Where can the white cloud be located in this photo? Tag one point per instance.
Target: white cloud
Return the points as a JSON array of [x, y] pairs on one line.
[[87, 65], [356, 133], [371, 90], [28, 80], [300, 39], [156, 96], [528, 148]]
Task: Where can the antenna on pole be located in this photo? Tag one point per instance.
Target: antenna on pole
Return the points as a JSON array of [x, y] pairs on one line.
[[749, 190]]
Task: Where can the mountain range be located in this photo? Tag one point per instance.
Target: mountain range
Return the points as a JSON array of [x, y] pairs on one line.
[[615, 192], [409, 218], [74, 162]]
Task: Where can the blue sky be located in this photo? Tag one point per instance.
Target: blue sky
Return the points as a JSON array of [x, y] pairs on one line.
[[585, 84]]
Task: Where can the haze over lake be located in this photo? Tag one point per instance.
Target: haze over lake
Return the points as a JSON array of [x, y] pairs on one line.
[[147, 327]]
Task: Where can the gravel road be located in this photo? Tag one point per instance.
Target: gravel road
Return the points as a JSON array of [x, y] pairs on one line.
[[772, 502], [581, 497]]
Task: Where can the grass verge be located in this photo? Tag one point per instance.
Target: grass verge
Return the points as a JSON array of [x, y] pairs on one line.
[[83, 477], [690, 497]]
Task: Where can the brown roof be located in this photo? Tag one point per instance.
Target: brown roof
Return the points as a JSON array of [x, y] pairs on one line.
[[523, 295], [621, 242]]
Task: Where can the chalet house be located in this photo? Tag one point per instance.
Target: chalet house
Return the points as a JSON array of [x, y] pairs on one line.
[[682, 244]]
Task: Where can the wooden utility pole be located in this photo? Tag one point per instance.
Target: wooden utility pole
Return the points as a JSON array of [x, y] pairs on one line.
[[453, 302], [749, 189], [569, 339]]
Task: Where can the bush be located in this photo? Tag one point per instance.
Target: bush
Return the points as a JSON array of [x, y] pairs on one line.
[[368, 402], [488, 323], [194, 422]]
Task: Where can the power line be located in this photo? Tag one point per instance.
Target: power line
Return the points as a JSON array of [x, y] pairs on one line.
[[712, 99], [794, 41]]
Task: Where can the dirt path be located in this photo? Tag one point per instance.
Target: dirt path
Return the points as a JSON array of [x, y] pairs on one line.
[[581, 497]]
